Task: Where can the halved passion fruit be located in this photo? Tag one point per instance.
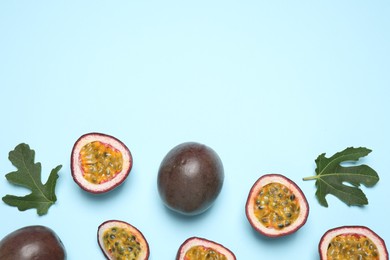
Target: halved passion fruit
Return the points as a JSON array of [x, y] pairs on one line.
[[352, 242], [276, 206], [100, 162], [120, 240], [196, 248]]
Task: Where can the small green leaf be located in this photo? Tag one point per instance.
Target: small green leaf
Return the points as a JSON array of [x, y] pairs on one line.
[[331, 177], [28, 175]]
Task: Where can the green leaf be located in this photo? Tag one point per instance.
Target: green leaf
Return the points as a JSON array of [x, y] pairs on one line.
[[28, 175], [332, 177]]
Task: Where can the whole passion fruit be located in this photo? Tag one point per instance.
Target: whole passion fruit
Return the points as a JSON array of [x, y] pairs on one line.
[[196, 248], [32, 243], [120, 240], [190, 178], [352, 242], [100, 162], [276, 206]]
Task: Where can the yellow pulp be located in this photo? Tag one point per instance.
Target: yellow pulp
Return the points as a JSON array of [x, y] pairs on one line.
[[352, 246], [203, 253], [100, 162], [276, 206], [121, 244]]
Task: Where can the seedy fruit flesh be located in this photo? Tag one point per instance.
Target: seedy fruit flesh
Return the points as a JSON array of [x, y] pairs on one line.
[[120, 240], [348, 245], [352, 242], [201, 252], [276, 206], [190, 178], [100, 162], [196, 248], [32, 243]]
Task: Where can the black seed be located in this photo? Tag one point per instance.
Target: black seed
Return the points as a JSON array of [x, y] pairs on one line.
[[292, 197]]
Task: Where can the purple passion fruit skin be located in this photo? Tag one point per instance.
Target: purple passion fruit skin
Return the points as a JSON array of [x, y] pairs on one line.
[[190, 178], [196, 248], [32, 243], [100, 162], [352, 242], [276, 206], [120, 240]]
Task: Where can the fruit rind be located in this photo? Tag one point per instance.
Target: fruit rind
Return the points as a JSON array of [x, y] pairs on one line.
[[77, 173], [291, 185], [195, 241], [358, 230], [122, 224], [190, 178], [32, 242]]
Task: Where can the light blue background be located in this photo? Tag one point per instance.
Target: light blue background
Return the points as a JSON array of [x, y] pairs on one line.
[[269, 85]]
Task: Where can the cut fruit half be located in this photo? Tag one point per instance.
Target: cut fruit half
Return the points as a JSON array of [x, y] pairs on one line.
[[100, 162], [276, 206], [120, 240], [196, 248], [352, 242]]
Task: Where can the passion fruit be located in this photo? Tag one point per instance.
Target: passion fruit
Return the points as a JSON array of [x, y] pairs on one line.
[[352, 242], [276, 206], [32, 243], [120, 240], [100, 162], [196, 248], [190, 178]]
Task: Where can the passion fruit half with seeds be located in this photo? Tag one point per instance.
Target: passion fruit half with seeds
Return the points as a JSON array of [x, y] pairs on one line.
[[100, 162], [190, 178], [32, 243], [276, 206], [352, 242], [120, 240], [196, 248]]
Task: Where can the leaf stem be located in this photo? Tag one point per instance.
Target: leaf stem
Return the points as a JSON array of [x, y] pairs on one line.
[[310, 178]]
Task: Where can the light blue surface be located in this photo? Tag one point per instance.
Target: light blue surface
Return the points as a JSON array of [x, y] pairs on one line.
[[269, 85]]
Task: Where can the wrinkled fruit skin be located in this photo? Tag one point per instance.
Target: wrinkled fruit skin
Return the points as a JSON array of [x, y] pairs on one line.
[[106, 140], [32, 243], [289, 204], [190, 178], [210, 245], [325, 243], [126, 240]]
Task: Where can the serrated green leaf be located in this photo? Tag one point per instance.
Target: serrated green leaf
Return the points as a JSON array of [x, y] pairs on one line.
[[332, 177], [28, 175]]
